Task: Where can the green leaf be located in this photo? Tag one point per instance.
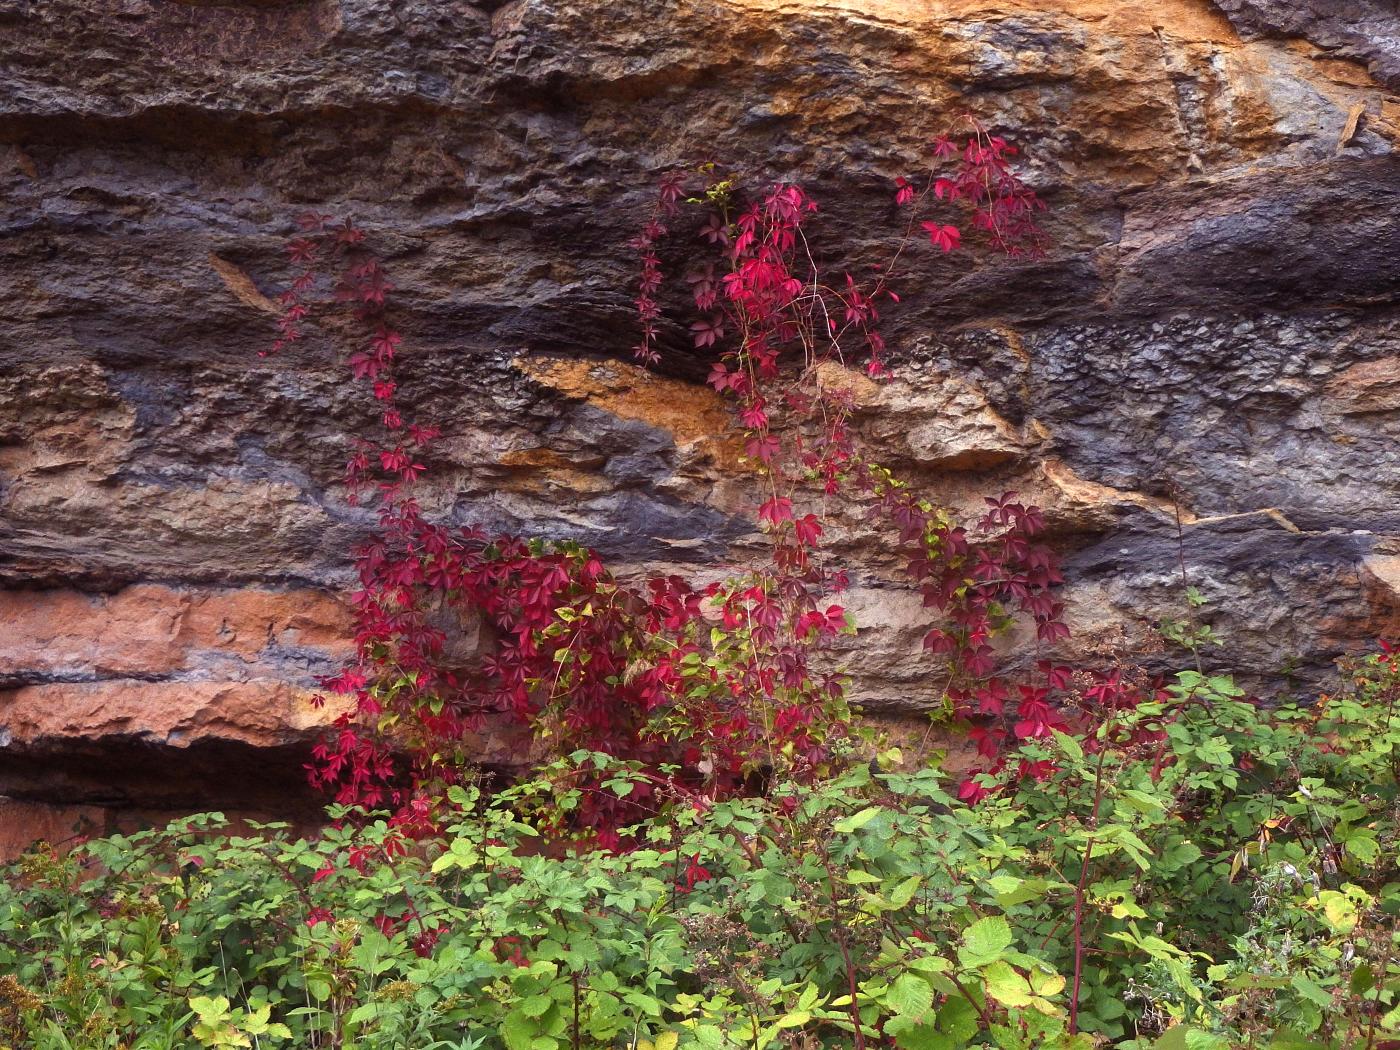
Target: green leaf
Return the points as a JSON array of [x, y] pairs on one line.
[[1145, 803], [857, 877], [1069, 745], [985, 941], [958, 1018], [910, 996], [208, 1008], [365, 1012], [518, 1031], [1341, 910], [904, 892], [458, 796], [1224, 685], [1011, 891], [919, 1036], [1362, 845], [1310, 989], [1181, 854], [1199, 1040], [1046, 982], [856, 821], [1006, 986], [1291, 1040]]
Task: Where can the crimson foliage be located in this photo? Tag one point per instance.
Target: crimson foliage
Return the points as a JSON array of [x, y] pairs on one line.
[[706, 688]]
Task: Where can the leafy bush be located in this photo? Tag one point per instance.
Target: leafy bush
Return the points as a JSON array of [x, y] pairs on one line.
[[1203, 871]]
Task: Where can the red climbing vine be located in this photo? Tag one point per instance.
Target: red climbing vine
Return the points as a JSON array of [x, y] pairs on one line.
[[706, 689], [787, 337]]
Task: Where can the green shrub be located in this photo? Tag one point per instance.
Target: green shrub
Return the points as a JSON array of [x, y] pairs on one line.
[[1207, 872]]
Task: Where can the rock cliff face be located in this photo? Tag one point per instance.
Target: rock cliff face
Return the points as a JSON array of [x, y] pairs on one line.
[[1214, 332]]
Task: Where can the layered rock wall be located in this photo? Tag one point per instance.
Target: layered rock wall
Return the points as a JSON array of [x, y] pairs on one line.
[[1213, 337]]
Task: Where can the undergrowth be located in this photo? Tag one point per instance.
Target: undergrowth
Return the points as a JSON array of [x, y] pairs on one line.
[[1204, 872]]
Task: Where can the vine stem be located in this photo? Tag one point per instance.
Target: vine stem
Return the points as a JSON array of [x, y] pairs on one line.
[[1079, 897], [576, 1028], [845, 955]]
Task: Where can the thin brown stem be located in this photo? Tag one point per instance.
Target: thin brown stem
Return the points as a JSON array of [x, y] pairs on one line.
[[1079, 897]]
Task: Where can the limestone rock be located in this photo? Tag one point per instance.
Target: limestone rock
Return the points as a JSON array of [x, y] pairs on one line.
[[1211, 340], [1357, 29]]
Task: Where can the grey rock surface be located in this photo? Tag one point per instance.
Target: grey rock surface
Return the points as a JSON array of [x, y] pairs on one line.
[[1213, 332]]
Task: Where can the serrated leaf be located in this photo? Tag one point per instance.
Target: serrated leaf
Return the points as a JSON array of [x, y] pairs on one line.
[[919, 1037], [910, 996], [518, 1031], [1363, 846], [708, 1036], [1046, 984], [1011, 891], [930, 964], [458, 796], [1341, 910], [1182, 854], [1006, 986], [207, 1007], [985, 941], [1144, 803], [365, 1012]]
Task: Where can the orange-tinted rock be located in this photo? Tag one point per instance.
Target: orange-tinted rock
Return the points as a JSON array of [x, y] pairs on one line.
[[56, 631], [249, 621], [1381, 592], [24, 823], [1371, 386], [261, 713], [695, 417], [151, 629]]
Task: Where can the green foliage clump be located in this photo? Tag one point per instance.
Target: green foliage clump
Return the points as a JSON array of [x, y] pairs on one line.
[[1200, 872]]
